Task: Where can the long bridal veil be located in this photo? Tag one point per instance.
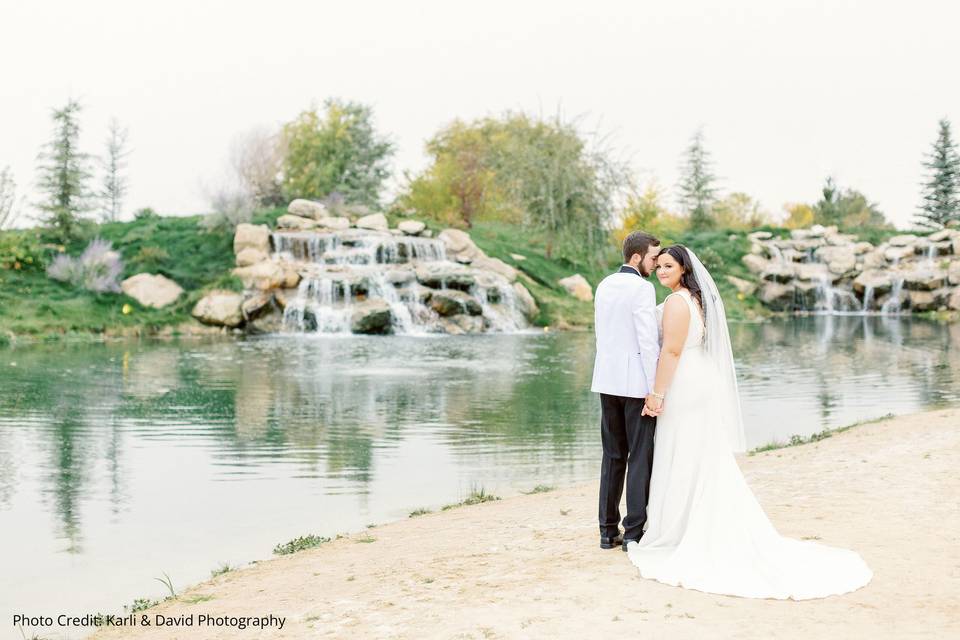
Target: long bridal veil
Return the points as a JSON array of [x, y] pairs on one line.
[[717, 345]]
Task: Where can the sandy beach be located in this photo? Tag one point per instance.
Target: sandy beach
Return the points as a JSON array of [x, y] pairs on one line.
[[530, 566]]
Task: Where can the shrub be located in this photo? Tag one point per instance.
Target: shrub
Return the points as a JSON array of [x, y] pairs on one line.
[[98, 268], [20, 251]]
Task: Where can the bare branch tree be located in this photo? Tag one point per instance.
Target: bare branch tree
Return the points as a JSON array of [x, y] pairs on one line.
[[257, 158], [8, 194], [114, 180]]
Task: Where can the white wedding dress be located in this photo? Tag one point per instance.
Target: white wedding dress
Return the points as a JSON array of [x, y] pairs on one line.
[[705, 529]]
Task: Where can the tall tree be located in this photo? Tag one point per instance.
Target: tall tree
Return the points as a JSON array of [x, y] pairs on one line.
[[64, 173], [114, 187], [941, 191], [8, 192], [826, 211], [698, 192], [337, 151]]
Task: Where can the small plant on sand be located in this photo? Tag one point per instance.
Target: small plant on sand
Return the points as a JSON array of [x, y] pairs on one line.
[[476, 496], [165, 581], [419, 512], [816, 437], [540, 488], [222, 569], [299, 544]]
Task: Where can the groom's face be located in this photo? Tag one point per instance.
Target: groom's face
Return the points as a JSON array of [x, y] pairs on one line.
[[649, 261]]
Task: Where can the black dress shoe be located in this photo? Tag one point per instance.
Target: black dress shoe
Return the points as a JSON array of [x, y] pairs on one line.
[[610, 543]]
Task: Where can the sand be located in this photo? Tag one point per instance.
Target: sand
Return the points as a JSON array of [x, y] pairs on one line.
[[530, 566]]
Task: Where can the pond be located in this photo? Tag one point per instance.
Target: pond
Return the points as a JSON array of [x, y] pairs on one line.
[[122, 461]]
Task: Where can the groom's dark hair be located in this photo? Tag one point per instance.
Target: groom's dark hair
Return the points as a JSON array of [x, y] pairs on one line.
[[638, 242]]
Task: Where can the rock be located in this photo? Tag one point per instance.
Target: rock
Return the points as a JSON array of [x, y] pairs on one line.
[[252, 236], [577, 286], [860, 248], [307, 209], [411, 227], [924, 280], [518, 257], [496, 265], [271, 321], [874, 260], [256, 305], [942, 297], [956, 245], [755, 263], [267, 275], [459, 245], [220, 308], [525, 302], [880, 281], [953, 273], [151, 290], [897, 253], [428, 233], [780, 272], [373, 222], [777, 296], [745, 287], [922, 300], [843, 264], [807, 245], [760, 235], [401, 274], [808, 271], [953, 301], [451, 302], [443, 276], [800, 234], [905, 240], [942, 235], [249, 256], [372, 317], [461, 324], [334, 223], [296, 223]]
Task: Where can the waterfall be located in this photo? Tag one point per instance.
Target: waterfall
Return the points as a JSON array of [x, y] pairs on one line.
[[340, 270], [867, 298], [894, 302]]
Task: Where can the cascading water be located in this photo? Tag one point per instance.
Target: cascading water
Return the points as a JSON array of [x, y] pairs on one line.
[[341, 270]]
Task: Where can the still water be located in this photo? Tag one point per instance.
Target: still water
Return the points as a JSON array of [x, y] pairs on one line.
[[119, 462]]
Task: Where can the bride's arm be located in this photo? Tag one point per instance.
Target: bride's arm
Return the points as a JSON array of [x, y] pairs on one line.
[[676, 323]]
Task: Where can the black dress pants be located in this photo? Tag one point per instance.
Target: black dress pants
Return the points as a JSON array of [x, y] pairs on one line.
[[627, 448]]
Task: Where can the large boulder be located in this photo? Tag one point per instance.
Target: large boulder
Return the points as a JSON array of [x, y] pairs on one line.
[[953, 273], [267, 275], [249, 256], [451, 302], [496, 265], [924, 280], [905, 240], [779, 272], [943, 234], [443, 276], [808, 271], [373, 317], [221, 308], [953, 302], [252, 236], [760, 235], [295, 223], [151, 290], [756, 264], [461, 324], [878, 280], [334, 223], [922, 300], [412, 227], [896, 254], [577, 286], [525, 302], [459, 245], [779, 297], [745, 287], [373, 222], [257, 305], [307, 209]]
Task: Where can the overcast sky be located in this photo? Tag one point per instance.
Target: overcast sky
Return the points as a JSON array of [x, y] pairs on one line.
[[787, 92]]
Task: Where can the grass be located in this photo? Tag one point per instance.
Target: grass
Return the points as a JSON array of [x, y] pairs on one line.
[[796, 440], [222, 569], [476, 496], [540, 488], [419, 512], [299, 544]]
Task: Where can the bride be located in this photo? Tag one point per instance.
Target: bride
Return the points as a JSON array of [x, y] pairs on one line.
[[705, 529]]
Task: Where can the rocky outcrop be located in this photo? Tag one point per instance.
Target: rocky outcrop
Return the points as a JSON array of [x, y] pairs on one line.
[[577, 286], [151, 290], [372, 317], [220, 307]]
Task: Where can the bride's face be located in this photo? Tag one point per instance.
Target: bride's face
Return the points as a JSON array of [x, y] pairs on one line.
[[668, 271]]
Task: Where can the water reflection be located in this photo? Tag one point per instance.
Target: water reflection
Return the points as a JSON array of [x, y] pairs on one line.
[[121, 461]]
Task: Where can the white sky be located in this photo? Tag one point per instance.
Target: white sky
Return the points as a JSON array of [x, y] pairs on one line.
[[786, 91]]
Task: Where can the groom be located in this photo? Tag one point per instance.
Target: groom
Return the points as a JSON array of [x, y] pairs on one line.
[[623, 373]]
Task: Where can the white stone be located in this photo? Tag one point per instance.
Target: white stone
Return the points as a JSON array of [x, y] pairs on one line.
[[256, 236], [288, 221], [220, 307], [411, 227], [307, 209], [577, 286], [528, 306], [151, 290], [905, 240], [249, 256], [374, 222], [335, 223], [496, 265]]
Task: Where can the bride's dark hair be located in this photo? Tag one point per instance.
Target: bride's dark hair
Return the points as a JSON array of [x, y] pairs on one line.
[[679, 253]]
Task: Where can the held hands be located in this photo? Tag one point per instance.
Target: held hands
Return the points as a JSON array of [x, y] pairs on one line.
[[653, 405]]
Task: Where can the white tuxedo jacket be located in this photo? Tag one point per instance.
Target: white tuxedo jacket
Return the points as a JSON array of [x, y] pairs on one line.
[[628, 346]]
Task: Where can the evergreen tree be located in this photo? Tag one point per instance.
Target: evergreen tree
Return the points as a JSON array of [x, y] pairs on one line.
[[941, 191], [114, 186], [697, 191], [827, 211], [64, 173]]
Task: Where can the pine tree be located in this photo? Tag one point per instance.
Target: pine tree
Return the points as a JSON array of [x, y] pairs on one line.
[[64, 173], [697, 190], [941, 192], [114, 186]]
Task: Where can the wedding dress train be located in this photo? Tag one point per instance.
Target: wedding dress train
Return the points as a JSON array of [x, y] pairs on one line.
[[705, 529]]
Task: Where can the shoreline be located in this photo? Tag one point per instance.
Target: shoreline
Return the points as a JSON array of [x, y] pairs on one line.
[[516, 567]]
